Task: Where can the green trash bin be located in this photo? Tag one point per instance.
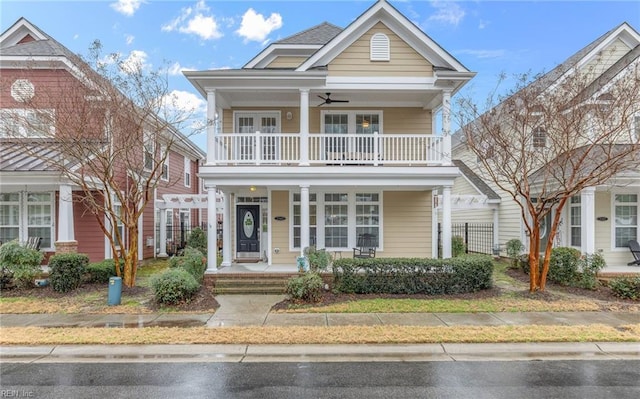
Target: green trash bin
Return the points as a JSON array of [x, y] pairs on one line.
[[115, 290]]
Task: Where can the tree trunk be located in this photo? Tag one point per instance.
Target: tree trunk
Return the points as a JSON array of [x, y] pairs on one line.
[[534, 259], [131, 260]]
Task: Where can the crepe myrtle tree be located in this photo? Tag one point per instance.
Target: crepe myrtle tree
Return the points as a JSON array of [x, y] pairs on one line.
[[109, 125], [549, 138]]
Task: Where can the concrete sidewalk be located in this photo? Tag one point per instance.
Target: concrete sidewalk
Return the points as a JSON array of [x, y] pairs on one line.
[[254, 310]]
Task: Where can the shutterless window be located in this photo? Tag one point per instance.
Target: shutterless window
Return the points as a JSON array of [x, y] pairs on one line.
[[165, 165], [9, 216], [539, 137], [30, 123], [187, 172], [149, 150], [40, 217], [575, 219], [312, 220], [336, 220], [626, 219], [368, 215]]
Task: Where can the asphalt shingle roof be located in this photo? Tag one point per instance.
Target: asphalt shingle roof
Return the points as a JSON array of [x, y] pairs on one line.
[[476, 180], [319, 34]]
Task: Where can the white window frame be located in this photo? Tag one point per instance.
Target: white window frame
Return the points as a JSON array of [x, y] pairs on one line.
[[535, 141], [148, 151], [351, 216], [23, 215], [118, 223], [187, 172], [295, 203], [16, 117], [17, 203], [351, 118], [615, 203], [164, 173], [379, 47], [575, 205]]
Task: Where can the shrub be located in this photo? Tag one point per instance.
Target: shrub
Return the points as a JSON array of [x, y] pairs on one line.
[[193, 261], [19, 264], [66, 271], [307, 287], [514, 250], [174, 286], [589, 266], [626, 287], [319, 260], [100, 272], [198, 240], [458, 248], [413, 275], [563, 265]]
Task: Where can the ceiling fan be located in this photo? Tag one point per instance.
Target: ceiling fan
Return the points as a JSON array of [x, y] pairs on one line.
[[328, 100]]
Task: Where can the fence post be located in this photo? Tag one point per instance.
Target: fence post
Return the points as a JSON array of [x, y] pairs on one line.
[[466, 238]]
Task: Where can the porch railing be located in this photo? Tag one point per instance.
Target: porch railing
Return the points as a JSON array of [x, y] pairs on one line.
[[328, 149]]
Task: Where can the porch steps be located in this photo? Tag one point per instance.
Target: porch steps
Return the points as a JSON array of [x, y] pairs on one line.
[[605, 277], [248, 283]]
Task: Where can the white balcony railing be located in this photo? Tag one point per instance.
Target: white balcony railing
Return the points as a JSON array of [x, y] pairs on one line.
[[328, 149]]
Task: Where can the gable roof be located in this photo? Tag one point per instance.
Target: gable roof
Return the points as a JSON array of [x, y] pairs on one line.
[[476, 181]]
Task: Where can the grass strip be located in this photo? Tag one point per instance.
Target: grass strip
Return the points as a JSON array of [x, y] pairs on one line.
[[318, 335]]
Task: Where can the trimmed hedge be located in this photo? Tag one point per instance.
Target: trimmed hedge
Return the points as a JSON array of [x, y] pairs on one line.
[[19, 265], [100, 272], [626, 287], [174, 286], [563, 265], [463, 274], [66, 271], [307, 288]]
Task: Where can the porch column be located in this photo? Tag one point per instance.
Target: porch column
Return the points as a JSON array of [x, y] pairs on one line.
[[212, 224], [434, 224], [226, 230], [446, 222], [66, 235], [163, 233], [496, 232], [446, 127], [304, 127], [304, 218], [211, 127], [588, 220]]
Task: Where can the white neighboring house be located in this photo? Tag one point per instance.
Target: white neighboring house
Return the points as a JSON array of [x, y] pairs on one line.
[[601, 219]]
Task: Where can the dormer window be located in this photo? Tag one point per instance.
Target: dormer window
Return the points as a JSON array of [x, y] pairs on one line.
[[539, 137], [380, 47]]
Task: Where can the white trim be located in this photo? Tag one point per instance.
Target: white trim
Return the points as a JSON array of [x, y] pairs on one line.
[[379, 47], [613, 216], [351, 118], [187, 175]]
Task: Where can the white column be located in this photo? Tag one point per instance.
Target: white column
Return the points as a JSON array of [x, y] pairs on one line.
[[446, 222], [304, 127], [434, 224], [211, 127], [446, 127], [226, 230], [65, 214], [212, 224], [496, 230], [163, 233], [588, 219], [304, 218], [269, 228]]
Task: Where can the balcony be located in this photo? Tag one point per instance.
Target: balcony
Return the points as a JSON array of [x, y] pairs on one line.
[[286, 149]]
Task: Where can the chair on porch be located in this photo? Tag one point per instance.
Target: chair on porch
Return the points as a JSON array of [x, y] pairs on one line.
[[366, 246], [33, 243], [634, 247]]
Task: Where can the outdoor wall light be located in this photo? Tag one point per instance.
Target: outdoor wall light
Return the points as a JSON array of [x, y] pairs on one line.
[[252, 188]]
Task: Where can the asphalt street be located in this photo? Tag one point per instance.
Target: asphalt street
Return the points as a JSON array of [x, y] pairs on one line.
[[519, 379]]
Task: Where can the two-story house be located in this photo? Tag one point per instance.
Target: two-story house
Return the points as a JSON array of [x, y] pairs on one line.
[[601, 219], [330, 134], [36, 199]]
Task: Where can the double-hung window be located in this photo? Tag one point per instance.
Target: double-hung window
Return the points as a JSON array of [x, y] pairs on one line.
[[27, 214], [297, 219], [187, 172], [29, 123], [575, 219], [626, 219]]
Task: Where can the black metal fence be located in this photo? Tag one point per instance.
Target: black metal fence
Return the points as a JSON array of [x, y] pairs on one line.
[[477, 237], [177, 236]]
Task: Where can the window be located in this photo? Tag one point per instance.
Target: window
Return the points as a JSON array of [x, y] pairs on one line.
[[379, 47], [626, 219], [169, 213], [187, 172], [27, 214], [368, 216], [149, 150], [575, 220], [31, 123], [636, 127], [312, 219], [165, 165], [119, 224], [539, 137], [336, 220]]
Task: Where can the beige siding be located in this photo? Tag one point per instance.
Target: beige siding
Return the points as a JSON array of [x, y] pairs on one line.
[[286, 62], [607, 57], [461, 186], [604, 232], [280, 229], [404, 61], [407, 224]]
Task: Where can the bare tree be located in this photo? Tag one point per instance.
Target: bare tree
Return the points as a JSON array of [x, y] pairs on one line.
[[550, 138], [109, 125]]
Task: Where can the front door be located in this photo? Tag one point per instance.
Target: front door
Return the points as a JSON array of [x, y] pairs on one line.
[[248, 234]]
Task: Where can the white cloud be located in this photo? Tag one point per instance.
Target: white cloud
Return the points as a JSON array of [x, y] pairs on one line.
[[483, 53], [126, 7], [195, 20], [255, 27], [185, 101], [137, 60], [129, 39], [447, 12], [176, 69]]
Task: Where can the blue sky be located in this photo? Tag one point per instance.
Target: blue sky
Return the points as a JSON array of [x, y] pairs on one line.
[[488, 37]]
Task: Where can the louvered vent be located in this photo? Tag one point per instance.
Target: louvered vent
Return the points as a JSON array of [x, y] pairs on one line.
[[380, 47]]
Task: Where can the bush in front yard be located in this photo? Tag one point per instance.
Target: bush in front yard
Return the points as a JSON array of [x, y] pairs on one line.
[[563, 265], [307, 287], [19, 264], [458, 247], [100, 272], [626, 287], [413, 275], [66, 271], [198, 240], [174, 286], [193, 261]]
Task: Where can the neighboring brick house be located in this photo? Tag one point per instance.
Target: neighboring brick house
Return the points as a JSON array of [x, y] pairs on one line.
[[34, 198]]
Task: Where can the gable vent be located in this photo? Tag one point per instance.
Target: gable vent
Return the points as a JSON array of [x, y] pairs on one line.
[[380, 47]]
